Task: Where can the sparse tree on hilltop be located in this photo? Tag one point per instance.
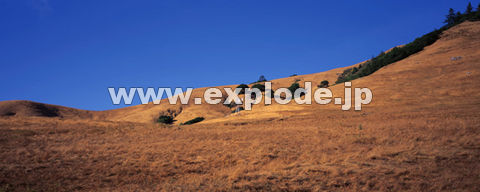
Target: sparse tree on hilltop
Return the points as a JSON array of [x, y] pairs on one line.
[[458, 16], [469, 8], [262, 79], [478, 11], [450, 20]]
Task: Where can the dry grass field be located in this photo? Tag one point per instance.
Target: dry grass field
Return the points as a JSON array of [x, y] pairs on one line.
[[420, 133]]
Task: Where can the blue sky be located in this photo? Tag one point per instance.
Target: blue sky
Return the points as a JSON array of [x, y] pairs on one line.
[[69, 52]]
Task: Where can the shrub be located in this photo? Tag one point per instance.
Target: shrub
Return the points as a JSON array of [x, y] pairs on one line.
[[354, 70], [243, 87], [165, 119], [261, 79], [293, 88], [323, 84], [193, 121]]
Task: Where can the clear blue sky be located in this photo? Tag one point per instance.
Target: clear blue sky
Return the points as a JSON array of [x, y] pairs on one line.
[[69, 52]]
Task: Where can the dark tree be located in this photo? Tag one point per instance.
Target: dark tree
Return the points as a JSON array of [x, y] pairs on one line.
[[323, 84], [478, 11], [293, 88], [243, 87], [165, 119], [450, 20], [458, 16], [469, 8], [354, 70], [261, 78], [260, 87]]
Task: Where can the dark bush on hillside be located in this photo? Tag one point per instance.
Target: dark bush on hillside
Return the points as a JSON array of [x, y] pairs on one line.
[[243, 87], [354, 70], [399, 53], [260, 87], [323, 84], [293, 88], [193, 121], [165, 119]]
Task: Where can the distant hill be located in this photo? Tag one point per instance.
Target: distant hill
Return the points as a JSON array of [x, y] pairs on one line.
[[20, 108]]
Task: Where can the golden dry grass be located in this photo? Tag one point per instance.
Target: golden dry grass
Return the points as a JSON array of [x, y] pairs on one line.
[[418, 149], [420, 133]]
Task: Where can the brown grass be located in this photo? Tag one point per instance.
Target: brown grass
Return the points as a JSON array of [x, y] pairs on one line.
[[381, 150]]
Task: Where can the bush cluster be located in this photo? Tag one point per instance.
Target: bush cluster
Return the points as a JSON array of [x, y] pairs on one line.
[[293, 87], [323, 84], [165, 119]]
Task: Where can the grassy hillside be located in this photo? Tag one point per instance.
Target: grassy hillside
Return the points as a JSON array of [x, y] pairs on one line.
[[420, 133]]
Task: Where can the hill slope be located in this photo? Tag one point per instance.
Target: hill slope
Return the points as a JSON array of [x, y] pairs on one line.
[[427, 78], [420, 133]]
